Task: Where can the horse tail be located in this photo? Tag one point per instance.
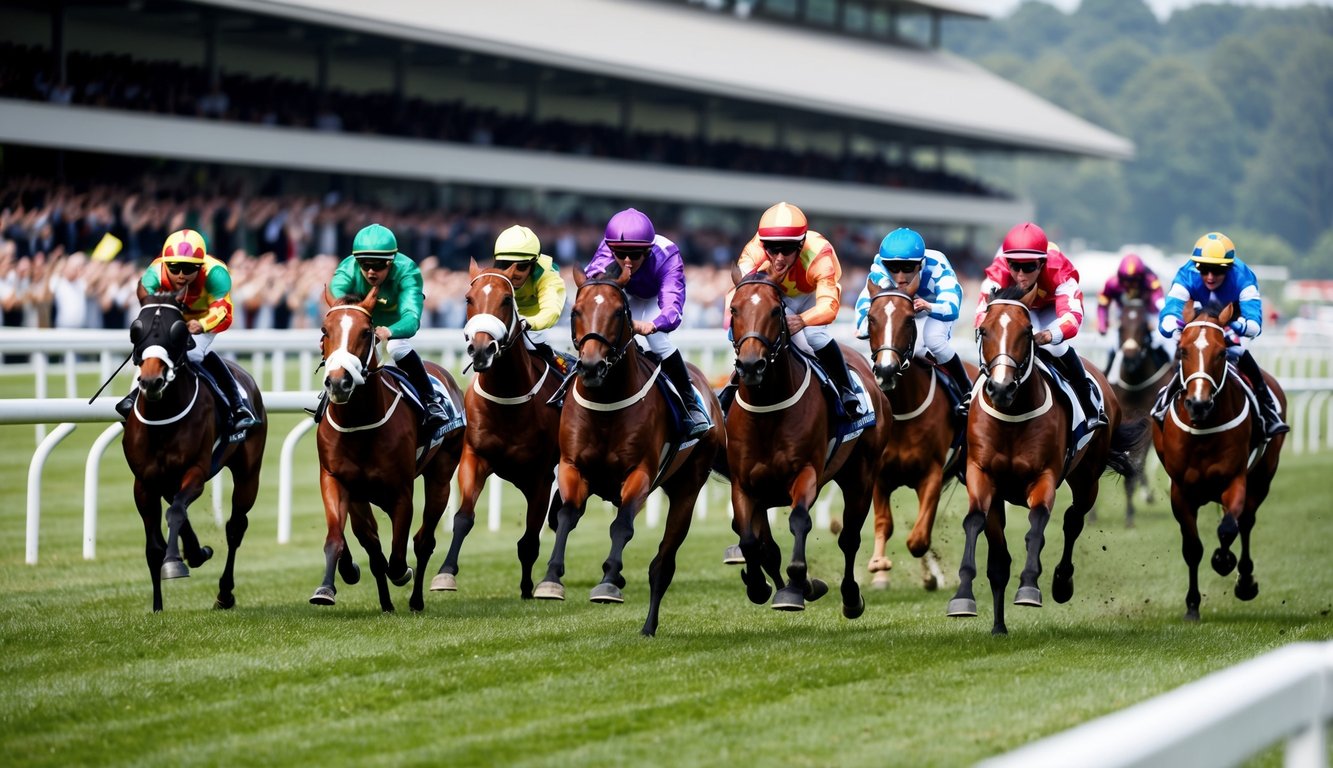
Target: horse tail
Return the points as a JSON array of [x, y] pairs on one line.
[[1124, 442]]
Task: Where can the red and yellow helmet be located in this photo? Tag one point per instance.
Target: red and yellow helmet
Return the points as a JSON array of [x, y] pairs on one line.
[[783, 221], [184, 247]]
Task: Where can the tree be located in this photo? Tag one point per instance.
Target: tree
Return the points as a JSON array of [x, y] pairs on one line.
[[1187, 161], [1245, 76], [1035, 27], [1193, 32], [1112, 65], [1056, 80], [1096, 21]]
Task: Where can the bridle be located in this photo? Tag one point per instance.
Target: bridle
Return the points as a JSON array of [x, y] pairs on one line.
[[505, 333], [355, 366], [774, 347], [626, 331], [1025, 368], [904, 352], [1202, 374], [140, 336]]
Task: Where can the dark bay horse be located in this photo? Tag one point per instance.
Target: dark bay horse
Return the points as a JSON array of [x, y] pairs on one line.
[[616, 442], [369, 453], [173, 444], [1019, 451], [511, 430], [920, 455], [1211, 444], [1141, 372], [781, 451]]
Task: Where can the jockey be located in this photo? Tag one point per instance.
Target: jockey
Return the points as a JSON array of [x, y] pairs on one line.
[[1027, 258], [1132, 280], [905, 264], [377, 262], [656, 292], [184, 265], [1215, 274], [539, 291], [807, 269]]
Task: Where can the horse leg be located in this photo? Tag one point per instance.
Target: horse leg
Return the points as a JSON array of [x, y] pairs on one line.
[[335, 541], [192, 486], [155, 547], [1256, 490], [880, 564], [680, 513], [436, 483], [633, 493], [804, 489], [1191, 547], [367, 532], [927, 505], [574, 492], [245, 488], [1041, 497], [998, 562], [745, 521], [964, 602], [195, 554], [472, 473], [1084, 486], [856, 505], [1233, 503], [400, 528], [541, 503]]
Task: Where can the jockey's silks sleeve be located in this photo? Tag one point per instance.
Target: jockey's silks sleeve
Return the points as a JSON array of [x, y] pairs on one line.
[[399, 301], [207, 298], [541, 300]]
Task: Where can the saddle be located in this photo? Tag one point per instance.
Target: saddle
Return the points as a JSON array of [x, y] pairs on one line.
[[833, 398], [455, 417], [676, 403], [221, 422], [1079, 434]]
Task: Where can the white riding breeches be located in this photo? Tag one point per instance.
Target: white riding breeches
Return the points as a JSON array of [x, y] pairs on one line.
[[934, 335], [398, 348], [202, 341], [647, 310]]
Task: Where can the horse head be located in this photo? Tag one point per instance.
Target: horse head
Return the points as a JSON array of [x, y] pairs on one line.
[[1005, 343], [1135, 340], [493, 323], [161, 339], [600, 322], [347, 342], [891, 325], [1203, 356], [758, 326]]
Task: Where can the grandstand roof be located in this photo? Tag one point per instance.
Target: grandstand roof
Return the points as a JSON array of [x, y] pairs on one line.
[[678, 47]]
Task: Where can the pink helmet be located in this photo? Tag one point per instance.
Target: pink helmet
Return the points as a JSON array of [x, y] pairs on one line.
[[1131, 269], [1024, 242]]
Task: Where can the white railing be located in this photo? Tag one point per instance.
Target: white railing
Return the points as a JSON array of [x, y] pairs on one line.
[[1224, 719]]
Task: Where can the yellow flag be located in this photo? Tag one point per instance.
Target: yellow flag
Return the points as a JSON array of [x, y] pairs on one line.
[[107, 249]]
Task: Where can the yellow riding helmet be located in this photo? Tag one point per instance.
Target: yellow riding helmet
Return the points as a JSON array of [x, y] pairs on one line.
[[1214, 248], [783, 221], [184, 247], [518, 243]]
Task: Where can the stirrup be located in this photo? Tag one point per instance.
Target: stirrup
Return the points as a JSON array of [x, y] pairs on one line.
[[242, 419], [695, 424]]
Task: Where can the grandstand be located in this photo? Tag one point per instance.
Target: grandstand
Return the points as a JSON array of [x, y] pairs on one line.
[[700, 112]]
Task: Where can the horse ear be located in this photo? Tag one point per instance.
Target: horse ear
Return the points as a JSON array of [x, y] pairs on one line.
[[472, 268], [368, 303], [1187, 312], [623, 277], [1228, 312], [580, 277], [735, 273], [873, 287], [328, 295], [1030, 296]]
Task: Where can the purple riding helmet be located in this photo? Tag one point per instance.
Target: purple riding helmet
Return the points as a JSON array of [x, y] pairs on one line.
[[630, 229]]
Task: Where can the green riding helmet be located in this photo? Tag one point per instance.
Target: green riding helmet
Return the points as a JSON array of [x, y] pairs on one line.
[[375, 242]]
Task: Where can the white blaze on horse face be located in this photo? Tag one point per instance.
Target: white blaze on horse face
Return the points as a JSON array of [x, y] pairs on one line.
[[754, 299], [1196, 389], [598, 300], [882, 357], [1005, 321], [486, 289]]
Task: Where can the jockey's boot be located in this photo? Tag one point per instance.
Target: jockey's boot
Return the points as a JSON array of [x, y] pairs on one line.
[[831, 358], [240, 416], [1273, 423], [727, 395], [954, 367], [1072, 365], [1165, 395], [411, 365], [126, 403], [1110, 360], [696, 421]]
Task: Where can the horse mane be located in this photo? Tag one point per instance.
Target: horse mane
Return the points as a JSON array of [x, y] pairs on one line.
[[610, 272], [1213, 308], [756, 276], [350, 298], [1009, 293]]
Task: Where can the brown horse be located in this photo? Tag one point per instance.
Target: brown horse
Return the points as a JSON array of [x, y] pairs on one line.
[[921, 455], [1212, 446], [616, 442], [369, 453], [511, 432], [782, 448], [173, 444], [1019, 450], [1141, 373]]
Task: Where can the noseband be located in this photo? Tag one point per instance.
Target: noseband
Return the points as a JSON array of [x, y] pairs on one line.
[[618, 349], [774, 346], [505, 333], [1024, 368], [357, 368], [905, 352]]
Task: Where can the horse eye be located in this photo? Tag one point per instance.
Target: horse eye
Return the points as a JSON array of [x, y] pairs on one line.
[[468, 301]]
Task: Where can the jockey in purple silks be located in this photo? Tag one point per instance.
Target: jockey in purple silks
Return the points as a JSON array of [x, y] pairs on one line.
[[656, 290]]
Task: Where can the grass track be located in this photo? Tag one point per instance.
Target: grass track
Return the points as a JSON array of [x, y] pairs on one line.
[[91, 676]]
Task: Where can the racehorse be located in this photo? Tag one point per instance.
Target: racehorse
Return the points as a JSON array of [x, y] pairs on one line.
[[783, 447], [616, 442], [511, 432], [369, 454], [1020, 448], [920, 456], [1141, 373], [174, 443], [1212, 446]]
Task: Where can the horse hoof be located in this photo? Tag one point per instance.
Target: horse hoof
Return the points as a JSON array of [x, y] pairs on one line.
[[854, 611], [1030, 596], [1191, 614], [175, 569], [879, 565], [350, 573], [789, 599], [1247, 590], [323, 596], [205, 554], [961, 606], [732, 556], [1224, 562], [816, 589], [1062, 590], [224, 602], [930, 583], [881, 580], [549, 590], [606, 593], [444, 582], [758, 593], [403, 578]]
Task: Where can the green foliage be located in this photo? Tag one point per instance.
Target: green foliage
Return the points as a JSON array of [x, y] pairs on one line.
[[1244, 75], [1054, 74], [1095, 22], [1112, 65], [1318, 262]]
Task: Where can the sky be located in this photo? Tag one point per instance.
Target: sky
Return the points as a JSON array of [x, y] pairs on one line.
[[1162, 8]]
